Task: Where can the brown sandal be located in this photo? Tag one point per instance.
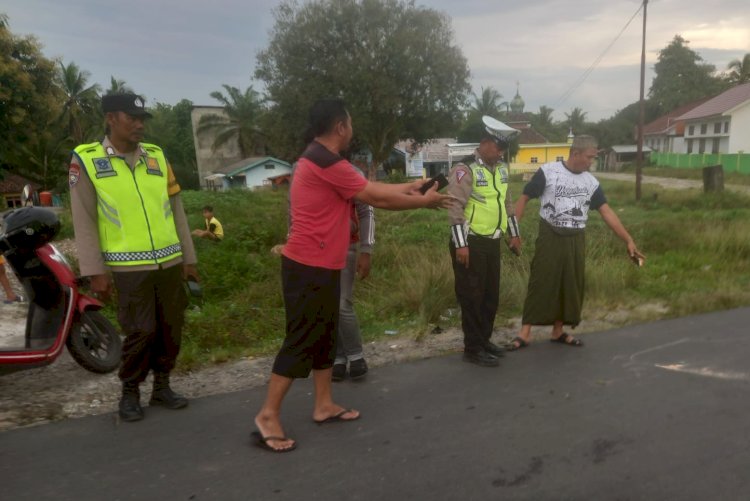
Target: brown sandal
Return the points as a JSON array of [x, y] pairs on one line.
[[522, 343], [566, 338]]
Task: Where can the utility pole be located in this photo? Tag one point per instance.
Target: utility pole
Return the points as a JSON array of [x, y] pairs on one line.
[[641, 112]]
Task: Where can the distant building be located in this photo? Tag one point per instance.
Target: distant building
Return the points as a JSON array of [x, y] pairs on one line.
[[430, 158], [533, 147], [721, 124], [208, 159], [11, 188], [253, 172], [621, 154], [667, 133]]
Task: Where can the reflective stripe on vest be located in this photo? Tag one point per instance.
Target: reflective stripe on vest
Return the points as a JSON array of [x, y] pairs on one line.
[[485, 209], [135, 220]]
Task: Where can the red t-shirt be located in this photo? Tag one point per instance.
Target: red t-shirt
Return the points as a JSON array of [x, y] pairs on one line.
[[321, 195]]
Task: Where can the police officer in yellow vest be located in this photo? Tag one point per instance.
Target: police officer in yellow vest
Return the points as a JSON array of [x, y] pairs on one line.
[[132, 235], [483, 214]]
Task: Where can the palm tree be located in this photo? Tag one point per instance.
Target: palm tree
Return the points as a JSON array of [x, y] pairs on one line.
[[739, 70], [544, 116], [242, 114], [487, 103], [80, 101], [576, 119], [118, 87]]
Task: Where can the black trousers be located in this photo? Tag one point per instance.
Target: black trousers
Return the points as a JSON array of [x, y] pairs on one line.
[[478, 290], [151, 312], [311, 300]]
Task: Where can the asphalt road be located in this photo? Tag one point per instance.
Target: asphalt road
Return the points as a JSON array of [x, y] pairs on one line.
[[653, 411]]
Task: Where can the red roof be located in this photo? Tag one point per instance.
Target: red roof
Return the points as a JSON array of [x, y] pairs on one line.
[[664, 122], [720, 104], [13, 183]]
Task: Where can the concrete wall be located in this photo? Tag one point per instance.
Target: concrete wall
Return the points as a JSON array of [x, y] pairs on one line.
[[739, 130], [207, 159]]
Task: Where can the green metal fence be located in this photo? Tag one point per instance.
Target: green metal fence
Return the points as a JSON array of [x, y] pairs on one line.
[[732, 162]]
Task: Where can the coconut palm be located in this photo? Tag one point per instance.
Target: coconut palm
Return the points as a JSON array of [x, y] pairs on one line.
[[576, 119], [487, 102], [739, 70], [118, 87], [80, 109], [242, 114]]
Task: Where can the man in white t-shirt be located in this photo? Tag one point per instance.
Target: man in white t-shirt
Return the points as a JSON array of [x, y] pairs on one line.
[[567, 192]]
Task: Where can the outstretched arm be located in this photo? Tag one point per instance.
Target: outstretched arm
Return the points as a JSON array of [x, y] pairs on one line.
[[615, 224], [402, 196]]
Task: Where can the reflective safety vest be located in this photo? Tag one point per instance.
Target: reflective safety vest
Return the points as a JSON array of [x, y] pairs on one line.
[[135, 220], [484, 211]]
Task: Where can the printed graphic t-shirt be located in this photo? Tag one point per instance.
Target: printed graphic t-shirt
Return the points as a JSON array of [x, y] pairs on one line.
[[321, 194], [566, 196]]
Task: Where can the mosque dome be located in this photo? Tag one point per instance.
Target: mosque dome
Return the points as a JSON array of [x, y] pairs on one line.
[[517, 104]]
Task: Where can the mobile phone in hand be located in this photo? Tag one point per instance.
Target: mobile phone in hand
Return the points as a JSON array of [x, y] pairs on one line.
[[441, 181]]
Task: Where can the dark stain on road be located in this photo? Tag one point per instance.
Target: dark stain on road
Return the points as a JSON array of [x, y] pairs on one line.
[[536, 465]]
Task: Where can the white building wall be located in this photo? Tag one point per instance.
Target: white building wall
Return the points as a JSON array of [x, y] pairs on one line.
[[257, 176], [739, 130]]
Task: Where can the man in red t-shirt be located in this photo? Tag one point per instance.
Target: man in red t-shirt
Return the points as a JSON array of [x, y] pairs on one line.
[[322, 191]]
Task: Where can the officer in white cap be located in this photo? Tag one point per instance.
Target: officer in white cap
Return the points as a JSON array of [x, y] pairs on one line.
[[483, 214]]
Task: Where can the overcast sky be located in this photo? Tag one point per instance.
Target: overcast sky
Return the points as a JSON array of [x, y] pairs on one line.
[[174, 49]]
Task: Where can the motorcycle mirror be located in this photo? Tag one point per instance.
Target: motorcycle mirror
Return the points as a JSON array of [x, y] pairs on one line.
[[26, 195]]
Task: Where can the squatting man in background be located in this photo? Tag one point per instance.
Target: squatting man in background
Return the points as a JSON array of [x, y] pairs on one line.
[[213, 229], [132, 235]]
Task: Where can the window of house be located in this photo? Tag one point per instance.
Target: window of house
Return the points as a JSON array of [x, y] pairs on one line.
[[270, 166], [534, 160], [704, 128], [689, 145], [717, 128], [559, 159], [726, 127], [715, 145], [12, 201], [702, 146], [691, 130]]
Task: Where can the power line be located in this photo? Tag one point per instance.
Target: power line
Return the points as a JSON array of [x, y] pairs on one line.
[[591, 68]]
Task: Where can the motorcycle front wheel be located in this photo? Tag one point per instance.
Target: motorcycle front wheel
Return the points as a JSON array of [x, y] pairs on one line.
[[95, 343]]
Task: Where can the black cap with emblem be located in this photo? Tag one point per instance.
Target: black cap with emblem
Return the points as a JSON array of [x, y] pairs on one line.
[[132, 104]]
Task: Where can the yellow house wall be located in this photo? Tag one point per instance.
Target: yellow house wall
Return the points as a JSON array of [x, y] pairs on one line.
[[544, 152]]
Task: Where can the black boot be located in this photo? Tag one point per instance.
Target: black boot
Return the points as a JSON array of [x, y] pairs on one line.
[[130, 403], [163, 394]]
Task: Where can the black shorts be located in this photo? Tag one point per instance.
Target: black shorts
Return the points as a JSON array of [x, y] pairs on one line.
[[311, 300]]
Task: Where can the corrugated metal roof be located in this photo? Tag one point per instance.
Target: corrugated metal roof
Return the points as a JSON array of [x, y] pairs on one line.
[[247, 163], [662, 124], [720, 104]]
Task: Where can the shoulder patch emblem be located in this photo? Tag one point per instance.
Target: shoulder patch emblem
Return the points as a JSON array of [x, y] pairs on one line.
[[74, 174], [460, 173]]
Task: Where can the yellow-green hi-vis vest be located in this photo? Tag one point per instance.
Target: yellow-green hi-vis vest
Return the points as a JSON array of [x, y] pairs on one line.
[[136, 224], [485, 209]]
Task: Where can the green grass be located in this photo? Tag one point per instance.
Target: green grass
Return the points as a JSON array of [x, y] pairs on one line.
[[697, 248]]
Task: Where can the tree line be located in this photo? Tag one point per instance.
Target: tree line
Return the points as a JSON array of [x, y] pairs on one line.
[[396, 65]]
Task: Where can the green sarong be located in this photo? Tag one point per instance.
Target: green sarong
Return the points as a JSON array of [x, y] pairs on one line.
[[556, 281]]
